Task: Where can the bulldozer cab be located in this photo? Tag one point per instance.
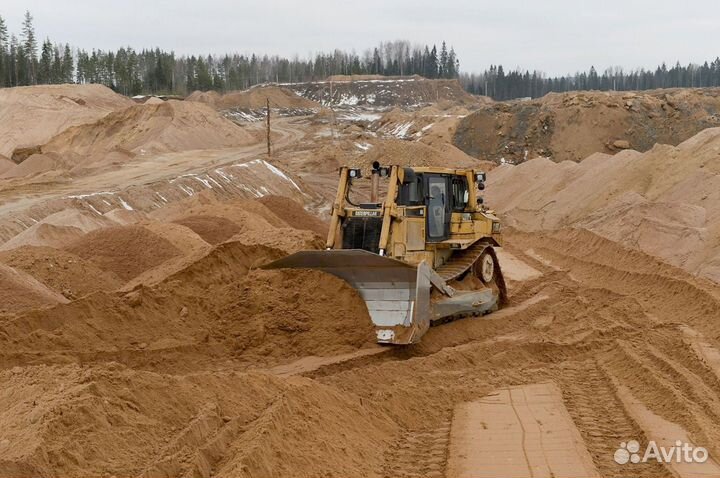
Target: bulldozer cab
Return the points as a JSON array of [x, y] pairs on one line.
[[446, 194], [441, 195], [430, 230], [436, 208]]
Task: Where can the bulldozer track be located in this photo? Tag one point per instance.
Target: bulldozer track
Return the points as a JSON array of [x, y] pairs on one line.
[[419, 453], [462, 261]]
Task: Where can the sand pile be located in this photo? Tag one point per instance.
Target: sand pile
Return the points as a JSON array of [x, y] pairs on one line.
[[58, 229], [571, 126], [254, 99], [60, 271], [664, 202], [124, 217], [207, 97], [325, 313], [31, 115], [5, 164], [294, 214], [44, 234], [211, 308], [213, 229], [275, 221], [411, 153], [190, 245], [146, 129], [285, 239], [154, 100], [20, 291], [34, 164], [114, 421], [246, 213], [125, 251]]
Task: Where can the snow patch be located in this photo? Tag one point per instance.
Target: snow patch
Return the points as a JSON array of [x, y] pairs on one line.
[[205, 182], [125, 205], [401, 130], [281, 174], [226, 177], [88, 195]]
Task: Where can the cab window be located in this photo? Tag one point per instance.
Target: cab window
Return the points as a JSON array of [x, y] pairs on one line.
[[459, 193], [411, 193], [437, 201]]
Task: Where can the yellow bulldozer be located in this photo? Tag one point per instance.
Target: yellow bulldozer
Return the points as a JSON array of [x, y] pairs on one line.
[[423, 255]]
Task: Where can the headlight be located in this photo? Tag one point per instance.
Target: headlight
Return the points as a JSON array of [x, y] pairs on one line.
[[496, 227], [355, 173]]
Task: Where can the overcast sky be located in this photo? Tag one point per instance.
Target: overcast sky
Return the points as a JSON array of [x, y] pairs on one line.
[[554, 36]]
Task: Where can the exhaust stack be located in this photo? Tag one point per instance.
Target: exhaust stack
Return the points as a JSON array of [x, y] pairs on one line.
[[375, 183]]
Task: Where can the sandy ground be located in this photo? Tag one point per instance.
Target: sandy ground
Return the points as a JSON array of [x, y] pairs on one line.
[[139, 338]]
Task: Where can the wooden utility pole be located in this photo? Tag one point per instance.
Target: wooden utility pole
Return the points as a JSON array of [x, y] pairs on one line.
[[268, 127]]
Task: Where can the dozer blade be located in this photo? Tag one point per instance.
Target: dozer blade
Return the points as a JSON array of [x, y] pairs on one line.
[[397, 294]]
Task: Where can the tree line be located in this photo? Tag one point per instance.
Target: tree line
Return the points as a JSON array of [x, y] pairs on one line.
[[154, 71], [499, 85]]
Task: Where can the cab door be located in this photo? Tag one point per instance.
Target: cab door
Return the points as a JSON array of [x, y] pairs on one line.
[[438, 207]]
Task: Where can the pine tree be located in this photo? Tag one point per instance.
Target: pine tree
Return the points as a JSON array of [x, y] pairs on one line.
[[377, 67], [452, 64], [431, 68], [21, 63], [45, 68], [592, 79], [13, 62], [67, 66], [30, 48], [56, 76], [442, 73], [204, 80], [81, 70]]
